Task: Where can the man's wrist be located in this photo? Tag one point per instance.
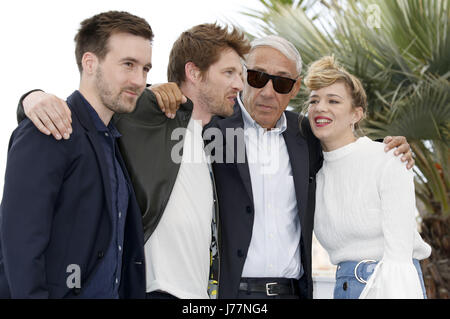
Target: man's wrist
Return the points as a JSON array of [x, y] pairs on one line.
[[26, 95], [20, 110]]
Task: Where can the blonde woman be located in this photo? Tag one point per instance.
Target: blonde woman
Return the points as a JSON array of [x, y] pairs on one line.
[[365, 202]]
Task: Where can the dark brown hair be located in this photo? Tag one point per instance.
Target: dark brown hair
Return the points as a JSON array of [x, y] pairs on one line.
[[95, 32], [203, 45]]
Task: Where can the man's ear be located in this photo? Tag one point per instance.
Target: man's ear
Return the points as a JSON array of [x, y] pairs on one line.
[[89, 61], [192, 72]]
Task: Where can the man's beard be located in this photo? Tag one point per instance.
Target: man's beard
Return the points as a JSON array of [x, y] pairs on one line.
[[215, 103], [113, 101]]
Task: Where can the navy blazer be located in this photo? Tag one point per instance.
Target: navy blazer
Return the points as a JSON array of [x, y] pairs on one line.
[[56, 212], [236, 200]]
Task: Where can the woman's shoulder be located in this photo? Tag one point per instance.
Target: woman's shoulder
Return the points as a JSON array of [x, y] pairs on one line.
[[373, 149], [385, 161], [375, 152]]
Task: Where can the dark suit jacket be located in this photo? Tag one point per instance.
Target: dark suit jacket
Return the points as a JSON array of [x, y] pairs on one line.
[[236, 200], [56, 211]]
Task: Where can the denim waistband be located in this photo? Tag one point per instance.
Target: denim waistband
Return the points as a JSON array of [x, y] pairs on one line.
[[362, 269]]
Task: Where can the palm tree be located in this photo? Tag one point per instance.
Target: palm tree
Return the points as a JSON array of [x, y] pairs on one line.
[[401, 52]]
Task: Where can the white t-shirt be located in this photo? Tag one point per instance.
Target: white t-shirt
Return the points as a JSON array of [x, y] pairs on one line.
[[365, 209], [177, 254]]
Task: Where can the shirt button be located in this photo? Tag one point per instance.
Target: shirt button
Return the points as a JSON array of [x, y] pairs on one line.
[[106, 134], [117, 281], [120, 214], [344, 286], [120, 248]]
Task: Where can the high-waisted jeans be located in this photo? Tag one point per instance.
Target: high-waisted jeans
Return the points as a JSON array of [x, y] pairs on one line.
[[348, 287]]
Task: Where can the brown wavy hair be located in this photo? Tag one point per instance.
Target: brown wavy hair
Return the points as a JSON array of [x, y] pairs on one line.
[[203, 45]]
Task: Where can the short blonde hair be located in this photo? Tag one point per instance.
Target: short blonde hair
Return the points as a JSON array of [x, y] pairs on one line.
[[327, 71]]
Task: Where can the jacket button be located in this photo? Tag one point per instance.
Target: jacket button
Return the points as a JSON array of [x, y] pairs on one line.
[[344, 286], [249, 209], [100, 255], [76, 291], [240, 253]]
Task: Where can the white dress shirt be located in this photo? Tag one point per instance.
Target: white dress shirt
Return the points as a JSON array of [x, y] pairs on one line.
[[274, 249]]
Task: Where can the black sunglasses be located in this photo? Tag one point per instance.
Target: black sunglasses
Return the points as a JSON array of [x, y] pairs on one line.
[[259, 79]]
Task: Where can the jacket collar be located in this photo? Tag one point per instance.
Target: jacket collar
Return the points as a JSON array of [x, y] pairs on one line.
[[235, 120], [92, 121], [79, 109], [77, 105]]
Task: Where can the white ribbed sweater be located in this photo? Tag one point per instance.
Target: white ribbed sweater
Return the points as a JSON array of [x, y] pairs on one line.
[[365, 209]]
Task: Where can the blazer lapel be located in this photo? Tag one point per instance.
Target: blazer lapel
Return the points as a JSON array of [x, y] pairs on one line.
[[79, 109], [236, 123], [93, 138], [299, 159], [245, 176]]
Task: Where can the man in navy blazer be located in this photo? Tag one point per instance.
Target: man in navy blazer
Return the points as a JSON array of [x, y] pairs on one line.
[[70, 226], [237, 206]]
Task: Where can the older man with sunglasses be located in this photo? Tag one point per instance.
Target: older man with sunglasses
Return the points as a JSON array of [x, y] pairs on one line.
[[267, 202]]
